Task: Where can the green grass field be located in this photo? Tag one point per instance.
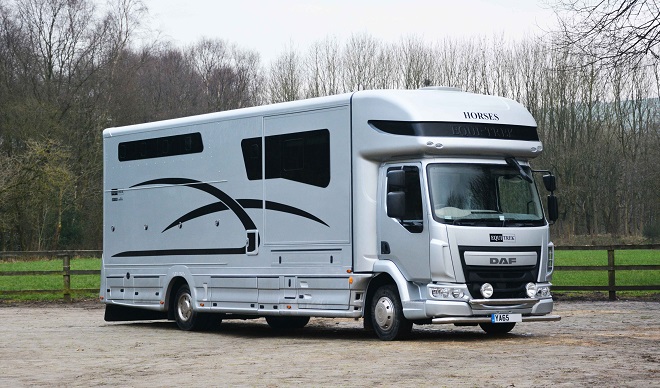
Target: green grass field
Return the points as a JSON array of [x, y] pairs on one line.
[[49, 282], [561, 278]]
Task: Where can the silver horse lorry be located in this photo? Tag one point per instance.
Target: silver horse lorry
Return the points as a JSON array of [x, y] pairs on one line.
[[400, 207]]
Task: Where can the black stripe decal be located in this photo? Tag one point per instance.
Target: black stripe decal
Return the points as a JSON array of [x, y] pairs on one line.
[[182, 252]]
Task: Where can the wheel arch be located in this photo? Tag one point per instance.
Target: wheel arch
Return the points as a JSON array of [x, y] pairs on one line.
[[377, 281], [392, 274], [175, 284]]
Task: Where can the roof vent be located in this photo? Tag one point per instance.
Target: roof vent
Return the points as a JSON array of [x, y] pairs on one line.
[[442, 88]]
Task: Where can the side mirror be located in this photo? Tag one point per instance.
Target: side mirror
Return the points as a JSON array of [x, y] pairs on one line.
[[550, 182], [396, 204], [553, 207], [396, 180]]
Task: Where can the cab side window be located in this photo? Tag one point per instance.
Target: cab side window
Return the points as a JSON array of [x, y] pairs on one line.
[[404, 197]]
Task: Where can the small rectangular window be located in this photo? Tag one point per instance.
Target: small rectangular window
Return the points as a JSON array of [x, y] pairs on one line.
[[160, 147]]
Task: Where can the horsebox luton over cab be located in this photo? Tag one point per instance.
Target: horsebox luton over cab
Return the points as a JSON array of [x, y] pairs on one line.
[[400, 207]]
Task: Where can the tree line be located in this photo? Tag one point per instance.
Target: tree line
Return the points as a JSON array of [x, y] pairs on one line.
[[68, 70]]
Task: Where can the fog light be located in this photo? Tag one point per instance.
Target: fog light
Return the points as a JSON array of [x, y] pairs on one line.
[[531, 290], [486, 290]]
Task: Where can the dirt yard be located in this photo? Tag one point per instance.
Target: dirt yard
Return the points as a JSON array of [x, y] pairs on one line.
[[595, 344]]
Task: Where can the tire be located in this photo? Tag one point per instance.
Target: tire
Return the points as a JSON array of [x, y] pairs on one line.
[[368, 325], [286, 323], [497, 328], [387, 314], [186, 317]]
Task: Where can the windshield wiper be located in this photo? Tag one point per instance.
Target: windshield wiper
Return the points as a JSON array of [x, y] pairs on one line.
[[476, 222], [511, 161], [463, 222]]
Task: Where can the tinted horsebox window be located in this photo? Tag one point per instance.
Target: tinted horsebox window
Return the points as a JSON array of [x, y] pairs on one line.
[[301, 157], [160, 147]]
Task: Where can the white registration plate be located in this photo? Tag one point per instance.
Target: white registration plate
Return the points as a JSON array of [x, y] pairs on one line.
[[505, 318]]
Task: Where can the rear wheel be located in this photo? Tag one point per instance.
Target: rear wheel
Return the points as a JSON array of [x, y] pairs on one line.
[[186, 317], [497, 328], [287, 323], [387, 314]]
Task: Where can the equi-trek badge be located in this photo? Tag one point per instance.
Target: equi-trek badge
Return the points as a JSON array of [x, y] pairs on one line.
[[500, 238]]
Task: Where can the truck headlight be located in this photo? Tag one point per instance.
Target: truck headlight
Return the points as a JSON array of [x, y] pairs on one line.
[[543, 292], [530, 288], [447, 292]]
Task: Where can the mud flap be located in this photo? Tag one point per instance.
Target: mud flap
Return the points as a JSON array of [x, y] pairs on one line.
[[117, 313]]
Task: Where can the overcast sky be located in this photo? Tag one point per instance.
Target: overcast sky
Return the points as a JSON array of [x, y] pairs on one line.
[[271, 26]]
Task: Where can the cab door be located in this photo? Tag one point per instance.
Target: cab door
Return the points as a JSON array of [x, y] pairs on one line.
[[402, 223]]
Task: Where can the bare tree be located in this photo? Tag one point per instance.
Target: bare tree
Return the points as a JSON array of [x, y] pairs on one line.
[[324, 68], [415, 60], [360, 62], [610, 32], [286, 77]]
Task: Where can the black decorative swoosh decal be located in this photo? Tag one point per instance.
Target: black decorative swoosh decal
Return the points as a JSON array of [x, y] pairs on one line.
[[199, 212], [279, 207], [225, 203], [245, 219], [246, 204]]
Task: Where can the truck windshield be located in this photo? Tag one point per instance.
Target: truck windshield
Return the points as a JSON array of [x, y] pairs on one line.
[[483, 195]]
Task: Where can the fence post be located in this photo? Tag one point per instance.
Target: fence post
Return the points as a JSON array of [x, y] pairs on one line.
[[611, 279], [66, 269]]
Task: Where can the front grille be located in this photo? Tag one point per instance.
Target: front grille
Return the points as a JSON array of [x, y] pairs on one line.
[[507, 281]]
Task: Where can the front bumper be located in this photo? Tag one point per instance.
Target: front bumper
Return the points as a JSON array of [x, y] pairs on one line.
[[470, 320], [480, 310]]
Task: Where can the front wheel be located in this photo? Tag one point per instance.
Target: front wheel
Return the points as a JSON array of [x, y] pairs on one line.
[[186, 317], [387, 314], [497, 328]]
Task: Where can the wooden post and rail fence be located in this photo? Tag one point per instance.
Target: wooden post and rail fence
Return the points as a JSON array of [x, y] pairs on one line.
[[611, 269], [67, 272]]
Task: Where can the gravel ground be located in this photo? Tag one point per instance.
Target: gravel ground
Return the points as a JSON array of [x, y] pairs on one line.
[[595, 344]]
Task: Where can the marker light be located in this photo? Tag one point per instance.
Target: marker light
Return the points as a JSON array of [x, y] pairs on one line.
[[486, 290], [551, 258]]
